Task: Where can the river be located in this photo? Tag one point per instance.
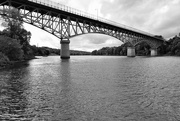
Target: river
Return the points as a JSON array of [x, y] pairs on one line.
[[91, 88]]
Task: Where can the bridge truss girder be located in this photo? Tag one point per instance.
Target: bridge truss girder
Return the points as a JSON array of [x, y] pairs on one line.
[[65, 27]]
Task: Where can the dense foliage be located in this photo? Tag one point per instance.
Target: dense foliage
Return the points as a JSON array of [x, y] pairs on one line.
[[4, 60], [170, 47], [14, 39], [173, 47], [141, 49], [11, 48], [44, 51]]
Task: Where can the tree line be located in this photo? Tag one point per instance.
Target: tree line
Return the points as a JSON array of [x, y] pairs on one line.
[[170, 47], [46, 51]]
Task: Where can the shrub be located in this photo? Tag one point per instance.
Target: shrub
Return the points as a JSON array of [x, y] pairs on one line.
[[11, 48], [4, 60]]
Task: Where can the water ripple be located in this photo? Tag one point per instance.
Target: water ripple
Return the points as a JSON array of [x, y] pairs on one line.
[[91, 88]]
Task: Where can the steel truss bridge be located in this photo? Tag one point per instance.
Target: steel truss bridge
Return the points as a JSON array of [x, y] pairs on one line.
[[65, 22]]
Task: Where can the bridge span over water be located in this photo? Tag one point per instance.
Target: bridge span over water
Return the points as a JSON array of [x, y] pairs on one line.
[[65, 22]]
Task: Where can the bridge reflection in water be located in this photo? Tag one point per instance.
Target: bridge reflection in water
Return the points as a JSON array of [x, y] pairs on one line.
[[65, 22]]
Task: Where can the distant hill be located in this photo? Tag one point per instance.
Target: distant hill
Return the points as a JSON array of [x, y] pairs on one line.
[[77, 52]]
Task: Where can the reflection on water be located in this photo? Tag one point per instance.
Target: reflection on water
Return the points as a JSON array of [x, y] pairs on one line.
[[91, 88], [13, 102]]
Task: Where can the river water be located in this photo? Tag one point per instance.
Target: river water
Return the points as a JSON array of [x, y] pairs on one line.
[[91, 88]]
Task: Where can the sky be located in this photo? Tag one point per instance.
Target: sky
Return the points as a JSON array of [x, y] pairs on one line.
[[158, 17]]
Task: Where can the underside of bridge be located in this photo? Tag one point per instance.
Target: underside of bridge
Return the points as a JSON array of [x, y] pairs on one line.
[[66, 23]]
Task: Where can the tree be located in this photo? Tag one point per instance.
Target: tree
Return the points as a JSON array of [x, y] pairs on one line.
[[159, 36], [13, 23], [142, 49], [11, 48], [94, 52]]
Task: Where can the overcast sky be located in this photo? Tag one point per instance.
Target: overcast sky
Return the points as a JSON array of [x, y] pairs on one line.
[[159, 17]]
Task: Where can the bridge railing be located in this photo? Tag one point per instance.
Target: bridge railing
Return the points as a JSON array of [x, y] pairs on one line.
[[85, 14]]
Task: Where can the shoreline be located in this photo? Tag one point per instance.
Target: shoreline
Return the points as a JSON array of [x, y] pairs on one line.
[[12, 63]]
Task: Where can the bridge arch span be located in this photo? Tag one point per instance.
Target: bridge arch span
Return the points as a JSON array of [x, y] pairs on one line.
[[97, 33]]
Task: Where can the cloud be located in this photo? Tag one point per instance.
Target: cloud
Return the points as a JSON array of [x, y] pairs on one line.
[[42, 38], [168, 21], [153, 16], [91, 42]]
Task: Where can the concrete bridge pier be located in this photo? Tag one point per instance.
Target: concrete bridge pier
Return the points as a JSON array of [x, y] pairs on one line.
[[65, 52], [131, 52], [154, 52]]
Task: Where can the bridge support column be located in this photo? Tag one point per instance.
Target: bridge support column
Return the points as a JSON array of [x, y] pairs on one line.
[[65, 52], [154, 52], [131, 52]]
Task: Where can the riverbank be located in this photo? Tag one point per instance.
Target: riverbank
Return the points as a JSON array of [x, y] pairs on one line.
[[8, 64]]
